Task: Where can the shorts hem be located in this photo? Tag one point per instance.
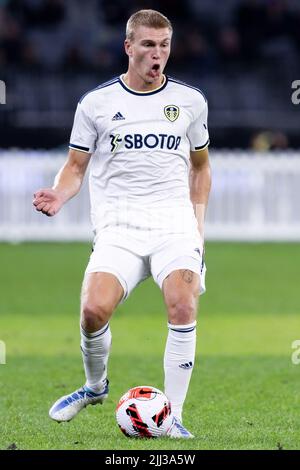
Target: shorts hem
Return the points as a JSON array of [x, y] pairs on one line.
[[102, 269], [182, 265]]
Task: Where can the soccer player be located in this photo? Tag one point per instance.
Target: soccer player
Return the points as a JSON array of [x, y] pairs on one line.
[[145, 136]]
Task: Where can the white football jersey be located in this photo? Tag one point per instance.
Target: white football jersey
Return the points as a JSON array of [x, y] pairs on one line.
[[140, 144]]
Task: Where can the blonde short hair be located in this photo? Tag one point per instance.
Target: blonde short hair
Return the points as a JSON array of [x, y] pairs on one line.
[[149, 18]]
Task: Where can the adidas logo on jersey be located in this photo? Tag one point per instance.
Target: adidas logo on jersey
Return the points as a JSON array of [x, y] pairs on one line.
[[186, 365], [118, 117]]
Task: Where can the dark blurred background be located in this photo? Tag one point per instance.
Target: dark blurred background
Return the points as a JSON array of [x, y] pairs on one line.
[[244, 55]]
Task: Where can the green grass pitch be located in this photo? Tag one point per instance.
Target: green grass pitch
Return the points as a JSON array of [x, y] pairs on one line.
[[244, 392]]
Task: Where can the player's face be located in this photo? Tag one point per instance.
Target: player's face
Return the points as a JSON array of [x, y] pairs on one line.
[[148, 53]]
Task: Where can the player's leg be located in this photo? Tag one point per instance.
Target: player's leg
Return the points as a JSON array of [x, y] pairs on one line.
[[112, 273], [101, 293], [181, 292], [179, 270]]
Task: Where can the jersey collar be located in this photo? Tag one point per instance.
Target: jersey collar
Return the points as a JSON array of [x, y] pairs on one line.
[[143, 93]]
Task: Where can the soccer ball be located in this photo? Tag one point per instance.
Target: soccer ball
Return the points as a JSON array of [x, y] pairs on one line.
[[144, 411]]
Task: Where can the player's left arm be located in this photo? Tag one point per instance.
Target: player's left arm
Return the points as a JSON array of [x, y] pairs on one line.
[[200, 184]]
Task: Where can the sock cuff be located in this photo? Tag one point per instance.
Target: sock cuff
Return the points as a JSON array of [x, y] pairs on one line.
[[183, 328], [95, 334]]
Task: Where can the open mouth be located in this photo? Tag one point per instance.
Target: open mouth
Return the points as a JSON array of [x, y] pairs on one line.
[[155, 70]]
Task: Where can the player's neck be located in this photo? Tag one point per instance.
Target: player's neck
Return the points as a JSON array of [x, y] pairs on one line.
[[136, 83]]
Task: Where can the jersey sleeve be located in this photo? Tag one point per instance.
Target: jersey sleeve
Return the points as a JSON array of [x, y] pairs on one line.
[[84, 134], [198, 132]]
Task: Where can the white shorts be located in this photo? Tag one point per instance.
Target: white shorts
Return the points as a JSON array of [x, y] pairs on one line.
[[132, 262]]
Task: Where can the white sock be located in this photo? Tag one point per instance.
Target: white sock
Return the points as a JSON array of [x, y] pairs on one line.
[[95, 349], [178, 364]]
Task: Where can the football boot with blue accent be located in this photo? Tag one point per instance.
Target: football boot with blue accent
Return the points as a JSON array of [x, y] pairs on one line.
[[67, 407], [178, 431]]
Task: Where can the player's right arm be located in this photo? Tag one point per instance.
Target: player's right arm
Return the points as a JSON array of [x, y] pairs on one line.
[[67, 184]]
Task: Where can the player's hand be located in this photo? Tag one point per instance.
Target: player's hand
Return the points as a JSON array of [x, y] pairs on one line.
[[47, 201]]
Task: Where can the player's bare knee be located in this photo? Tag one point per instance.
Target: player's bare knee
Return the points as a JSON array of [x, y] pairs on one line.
[[95, 314], [182, 312]]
